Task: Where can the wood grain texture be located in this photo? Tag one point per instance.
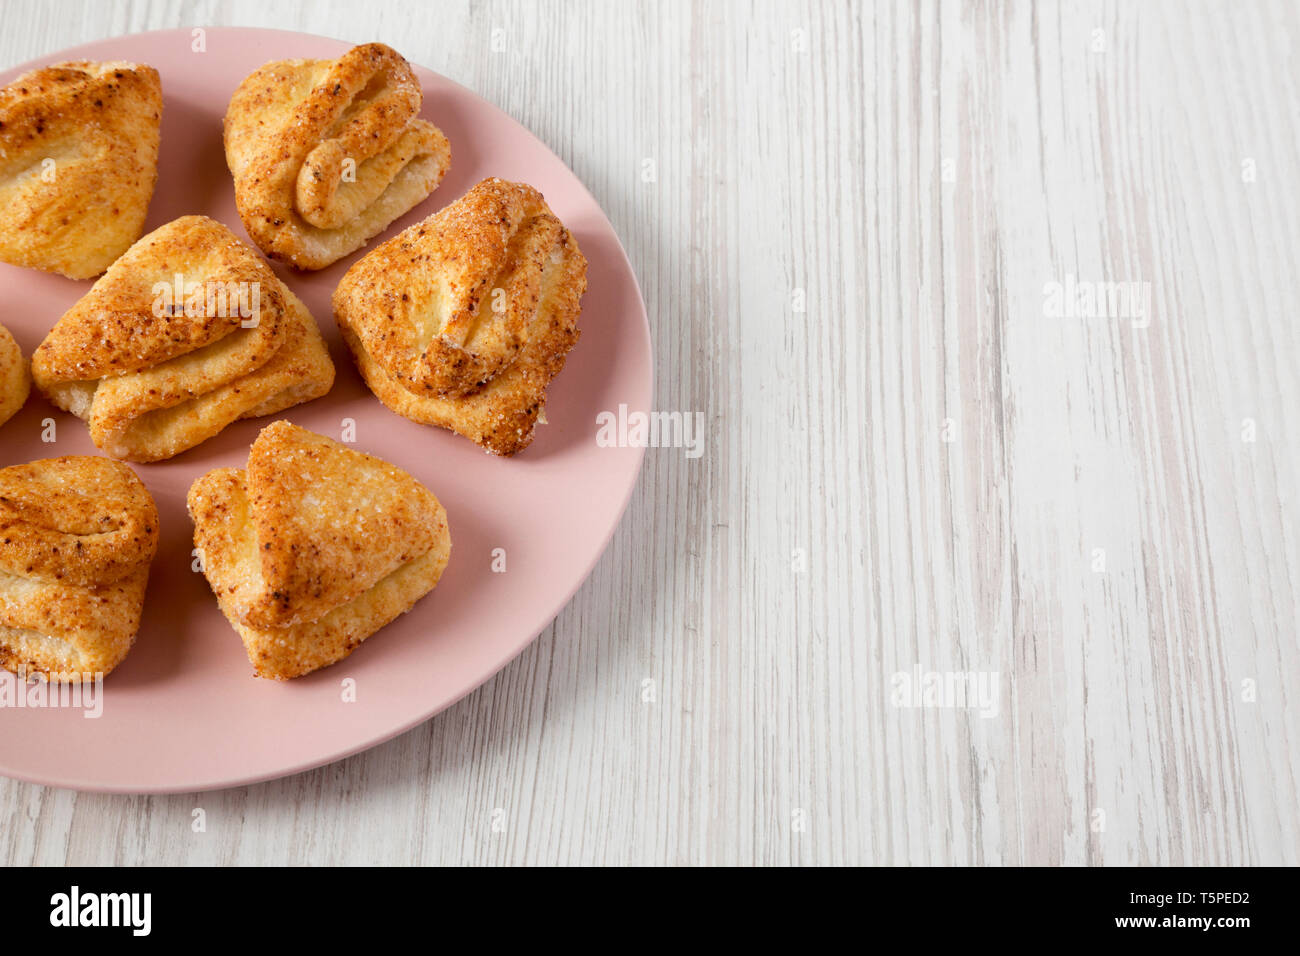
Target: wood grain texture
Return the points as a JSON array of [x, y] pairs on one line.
[[854, 217]]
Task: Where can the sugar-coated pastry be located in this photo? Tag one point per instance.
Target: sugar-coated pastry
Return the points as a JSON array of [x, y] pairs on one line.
[[15, 379], [77, 535], [314, 547], [78, 163], [327, 153], [189, 331], [463, 320]]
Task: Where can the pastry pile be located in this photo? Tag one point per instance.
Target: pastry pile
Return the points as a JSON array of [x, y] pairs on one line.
[[314, 547], [189, 331], [327, 153], [78, 162], [79, 534], [461, 321]]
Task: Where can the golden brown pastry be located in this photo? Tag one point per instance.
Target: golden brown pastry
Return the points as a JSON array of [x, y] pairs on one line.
[[189, 331], [77, 535], [15, 380], [314, 547], [463, 320], [78, 163], [327, 153]]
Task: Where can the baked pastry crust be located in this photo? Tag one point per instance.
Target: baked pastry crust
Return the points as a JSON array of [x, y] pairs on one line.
[[327, 153], [15, 377], [314, 547], [77, 535], [99, 124], [463, 320], [153, 380]]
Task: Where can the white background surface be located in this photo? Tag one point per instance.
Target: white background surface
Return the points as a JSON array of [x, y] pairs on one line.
[[1096, 538]]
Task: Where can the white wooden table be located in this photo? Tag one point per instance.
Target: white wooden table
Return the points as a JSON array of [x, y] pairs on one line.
[[992, 313]]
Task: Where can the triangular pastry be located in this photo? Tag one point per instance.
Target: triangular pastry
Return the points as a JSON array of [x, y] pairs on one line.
[[15, 378], [77, 535], [463, 320], [189, 331], [78, 163], [327, 153], [314, 547]]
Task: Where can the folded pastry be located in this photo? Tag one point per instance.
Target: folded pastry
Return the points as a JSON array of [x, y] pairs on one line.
[[78, 163], [314, 547], [188, 331], [77, 535], [463, 320], [327, 153], [15, 381]]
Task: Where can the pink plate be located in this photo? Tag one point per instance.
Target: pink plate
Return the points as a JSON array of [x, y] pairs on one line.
[[183, 712]]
